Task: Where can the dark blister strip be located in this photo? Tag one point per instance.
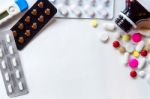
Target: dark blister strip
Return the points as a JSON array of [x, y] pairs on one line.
[[32, 22]]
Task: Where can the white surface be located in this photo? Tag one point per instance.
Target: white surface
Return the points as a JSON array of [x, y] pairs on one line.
[[67, 61]]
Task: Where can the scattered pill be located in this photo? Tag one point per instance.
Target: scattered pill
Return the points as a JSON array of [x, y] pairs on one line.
[[109, 27], [117, 35], [140, 46], [116, 44], [122, 50], [133, 74], [144, 53], [142, 63], [125, 58], [133, 63], [129, 48], [104, 37], [94, 23], [136, 37], [126, 37], [141, 74], [136, 54]]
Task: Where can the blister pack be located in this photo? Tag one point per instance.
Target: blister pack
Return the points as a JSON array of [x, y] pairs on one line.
[[10, 66], [32, 22], [101, 9]]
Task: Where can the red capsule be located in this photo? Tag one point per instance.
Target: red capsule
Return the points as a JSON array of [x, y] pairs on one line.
[[116, 44], [133, 74], [144, 53]]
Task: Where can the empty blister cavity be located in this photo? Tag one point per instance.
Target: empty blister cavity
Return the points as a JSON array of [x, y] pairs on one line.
[[125, 58], [9, 87], [1, 53], [20, 86], [14, 62], [7, 76], [8, 38], [17, 73], [3, 64], [11, 51]]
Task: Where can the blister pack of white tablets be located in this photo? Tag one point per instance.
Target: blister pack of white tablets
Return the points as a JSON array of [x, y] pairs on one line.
[[101, 9], [10, 66]]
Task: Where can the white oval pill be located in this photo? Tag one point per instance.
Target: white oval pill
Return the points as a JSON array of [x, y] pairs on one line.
[[125, 58], [9, 88], [141, 63], [1, 53], [104, 37], [11, 50], [109, 27], [140, 46], [17, 74], [129, 47], [8, 38], [20, 86], [14, 62], [141, 74], [3, 64], [6, 76]]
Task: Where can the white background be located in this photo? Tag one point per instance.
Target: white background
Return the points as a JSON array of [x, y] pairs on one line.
[[67, 61]]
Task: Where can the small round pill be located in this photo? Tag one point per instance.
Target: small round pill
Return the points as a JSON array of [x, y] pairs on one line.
[[133, 63], [117, 35], [34, 12], [136, 54], [94, 23], [15, 33], [141, 74], [28, 33], [34, 26], [21, 40], [41, 18], [133, 74], [116, 44], [41, 5], [21, 26], [144, 53], [47, 11], [28, 19], [129, 48], [136, 37], [126, 37], [122, 50], [104, 37]]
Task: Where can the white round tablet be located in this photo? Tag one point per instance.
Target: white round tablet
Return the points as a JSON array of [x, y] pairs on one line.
[[129, 48], [141, 74], [104, 37]]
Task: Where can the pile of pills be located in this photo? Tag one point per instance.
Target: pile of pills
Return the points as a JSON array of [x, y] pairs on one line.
[[134, 47], [10, 66], [32, 22], [102, 9]]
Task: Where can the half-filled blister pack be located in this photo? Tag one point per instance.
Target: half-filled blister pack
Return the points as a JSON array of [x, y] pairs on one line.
[[101, 9], [10, 66], [32, 22]]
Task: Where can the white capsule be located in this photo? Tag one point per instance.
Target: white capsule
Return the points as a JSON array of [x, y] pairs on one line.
[[20, 86], [140, 46], [109, 27], [8, 38], [6, 76], [129, 48], [11, 50], [17, 74], [125, 58], [141, 74], [9, 88], [148, 78], [76, 10], [104, 37], [3, 64], [14, 62], [89, 11], [141, 63], [1, 53]]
